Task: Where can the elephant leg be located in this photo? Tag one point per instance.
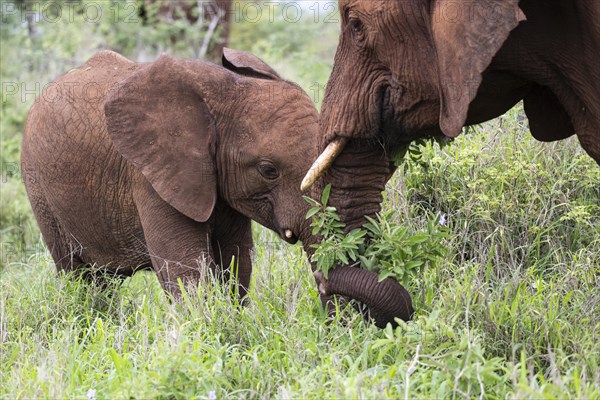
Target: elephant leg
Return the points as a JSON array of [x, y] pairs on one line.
[[180, 248], [588, 133], [66, 256], [232, 241], [591, 144], [66, 253]]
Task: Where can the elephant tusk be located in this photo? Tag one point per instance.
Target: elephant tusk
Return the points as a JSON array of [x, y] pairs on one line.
[[323, 162], [289, 233]]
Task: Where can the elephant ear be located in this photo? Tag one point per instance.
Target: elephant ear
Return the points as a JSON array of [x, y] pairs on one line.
[[157, 120], [467, 35], [247, 64]]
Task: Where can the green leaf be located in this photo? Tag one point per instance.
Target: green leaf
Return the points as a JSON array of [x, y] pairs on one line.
[[342, 257], [325, 195], [352, 254], [385, 274], [311, 201], [365, 262], [312, 212], [413, 264]]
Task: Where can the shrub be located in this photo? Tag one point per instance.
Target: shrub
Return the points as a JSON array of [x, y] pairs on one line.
[[388, 248]]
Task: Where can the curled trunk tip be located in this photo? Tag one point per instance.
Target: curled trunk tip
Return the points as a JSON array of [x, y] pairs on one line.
[[385, 300]]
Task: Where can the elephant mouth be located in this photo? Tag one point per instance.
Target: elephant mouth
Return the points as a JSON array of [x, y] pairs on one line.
[[288, 235], [394, 129], [391, 131], [385, 109]]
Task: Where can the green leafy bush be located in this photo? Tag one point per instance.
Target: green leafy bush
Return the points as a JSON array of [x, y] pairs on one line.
[[509, 200], [390, 249]]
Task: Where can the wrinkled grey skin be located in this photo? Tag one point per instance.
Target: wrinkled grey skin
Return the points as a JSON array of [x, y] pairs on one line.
[[163, 165], [410, 69]]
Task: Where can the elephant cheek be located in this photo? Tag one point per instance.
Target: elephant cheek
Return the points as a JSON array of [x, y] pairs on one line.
[[352, 102]]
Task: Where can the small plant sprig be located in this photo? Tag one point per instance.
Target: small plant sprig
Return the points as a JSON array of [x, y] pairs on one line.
[[390, 249], [336, 246], [393, 250]]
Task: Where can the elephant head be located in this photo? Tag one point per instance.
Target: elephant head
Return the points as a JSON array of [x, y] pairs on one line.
[[408, 69], [401, 72], [200, 133], [412, 68]]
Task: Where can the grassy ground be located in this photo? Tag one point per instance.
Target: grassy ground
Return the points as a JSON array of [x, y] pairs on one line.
[[512, 312]]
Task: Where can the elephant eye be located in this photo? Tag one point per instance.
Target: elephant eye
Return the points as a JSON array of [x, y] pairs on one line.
[[357, 28], [268, 170], [356, 25]]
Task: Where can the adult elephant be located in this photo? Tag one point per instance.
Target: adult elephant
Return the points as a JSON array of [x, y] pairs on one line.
[[162, 165], [410, 69]]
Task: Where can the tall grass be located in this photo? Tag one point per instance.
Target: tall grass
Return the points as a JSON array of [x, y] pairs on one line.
[[511, 312]]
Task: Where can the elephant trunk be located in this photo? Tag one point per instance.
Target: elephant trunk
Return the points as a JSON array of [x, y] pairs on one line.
[[358, 177], [386, 299]]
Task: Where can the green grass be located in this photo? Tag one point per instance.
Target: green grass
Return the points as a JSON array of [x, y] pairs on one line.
[[492, 321], [512, 311]]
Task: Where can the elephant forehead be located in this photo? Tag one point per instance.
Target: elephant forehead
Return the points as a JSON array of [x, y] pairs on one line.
[[295, 125], [275, 115], [367, 5], [289, 109], [287, 137], [283, 142]]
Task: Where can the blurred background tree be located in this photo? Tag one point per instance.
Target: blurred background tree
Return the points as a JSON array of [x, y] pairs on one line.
[[212, 18]]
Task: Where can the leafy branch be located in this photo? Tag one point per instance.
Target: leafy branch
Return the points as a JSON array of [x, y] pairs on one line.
[[336, 246], [388, 248]]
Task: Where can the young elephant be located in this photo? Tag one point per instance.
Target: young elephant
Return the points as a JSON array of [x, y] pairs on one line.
[[162, 165]]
